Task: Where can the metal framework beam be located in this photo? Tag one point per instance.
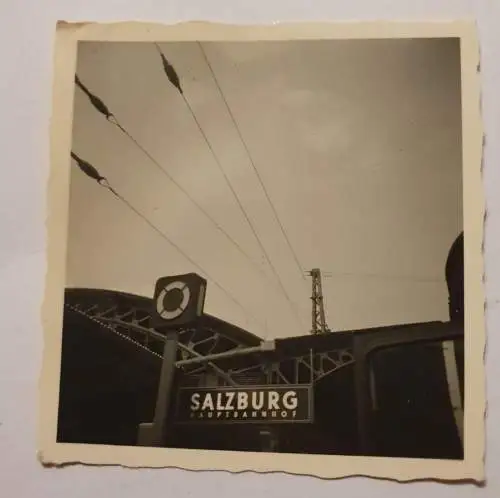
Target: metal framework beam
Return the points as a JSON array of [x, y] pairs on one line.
[[264, 347], [306, 368]]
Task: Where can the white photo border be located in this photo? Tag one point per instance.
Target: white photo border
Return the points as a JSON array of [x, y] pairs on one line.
[[471, 468]]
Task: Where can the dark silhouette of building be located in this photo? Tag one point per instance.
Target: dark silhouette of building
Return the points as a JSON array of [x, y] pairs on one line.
[[455, 279], [392, 399]]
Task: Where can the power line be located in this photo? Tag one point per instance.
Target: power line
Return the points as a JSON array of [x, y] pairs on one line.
[[259, 178], [93, 173], [101, 107], [381, 276], [174, 79]]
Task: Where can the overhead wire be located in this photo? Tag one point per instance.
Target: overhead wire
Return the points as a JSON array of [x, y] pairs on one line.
[[252, 163], [103, 109], [268, 196], [93, 173], [88, 169], [174, 79], [380, 276]]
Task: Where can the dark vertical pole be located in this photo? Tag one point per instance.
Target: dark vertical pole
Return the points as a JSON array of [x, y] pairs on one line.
[[313, 366], [164, 398], [362, 385], [154, 434]]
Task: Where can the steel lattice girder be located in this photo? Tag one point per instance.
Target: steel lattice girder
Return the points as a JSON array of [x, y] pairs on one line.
[[132, 324]]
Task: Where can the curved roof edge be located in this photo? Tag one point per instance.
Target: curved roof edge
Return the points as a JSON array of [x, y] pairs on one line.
[[237, 333]]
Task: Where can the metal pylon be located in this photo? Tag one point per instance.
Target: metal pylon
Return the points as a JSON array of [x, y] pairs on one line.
[[319, 325]]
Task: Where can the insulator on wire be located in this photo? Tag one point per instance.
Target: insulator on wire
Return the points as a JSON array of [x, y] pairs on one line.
[[88, 169], [99, 105], [171, 72], [79, 83]]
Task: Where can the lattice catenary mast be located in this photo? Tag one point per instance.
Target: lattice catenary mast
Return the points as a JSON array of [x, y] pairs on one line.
[[319, 325]]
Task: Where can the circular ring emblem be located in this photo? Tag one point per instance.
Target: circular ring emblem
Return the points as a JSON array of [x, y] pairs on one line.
[[173, 300]]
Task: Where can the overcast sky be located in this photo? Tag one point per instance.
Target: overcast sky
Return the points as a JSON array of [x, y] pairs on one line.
[[357, 143]]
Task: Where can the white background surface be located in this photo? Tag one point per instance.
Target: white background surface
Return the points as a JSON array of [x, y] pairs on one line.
[[27, 29]]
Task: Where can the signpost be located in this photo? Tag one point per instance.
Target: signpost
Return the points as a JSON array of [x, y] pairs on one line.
[[178, 302], [153, 434], [249, 404]]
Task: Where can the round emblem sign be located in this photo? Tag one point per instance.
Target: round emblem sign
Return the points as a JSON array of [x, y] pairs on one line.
[[173, 300]]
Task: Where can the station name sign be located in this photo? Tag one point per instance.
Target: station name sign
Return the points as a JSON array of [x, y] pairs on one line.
[[249, 404]]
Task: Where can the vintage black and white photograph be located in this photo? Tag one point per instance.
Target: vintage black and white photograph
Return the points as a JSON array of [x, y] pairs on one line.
[[264, 250]]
